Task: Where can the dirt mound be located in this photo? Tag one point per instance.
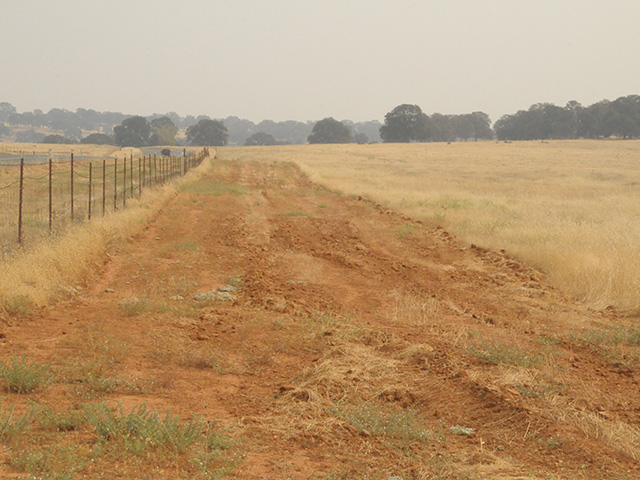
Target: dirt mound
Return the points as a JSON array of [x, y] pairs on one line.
[[353, 343]]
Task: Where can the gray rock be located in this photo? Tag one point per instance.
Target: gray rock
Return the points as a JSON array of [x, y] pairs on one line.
[[176, 297]]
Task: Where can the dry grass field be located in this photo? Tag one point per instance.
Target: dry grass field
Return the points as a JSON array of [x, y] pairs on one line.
[[568, 208]]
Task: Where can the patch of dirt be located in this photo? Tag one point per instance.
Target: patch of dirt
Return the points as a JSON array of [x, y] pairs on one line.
[[354, 347]]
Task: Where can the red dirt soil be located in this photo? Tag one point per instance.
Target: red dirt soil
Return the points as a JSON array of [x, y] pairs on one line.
[[345, 313]]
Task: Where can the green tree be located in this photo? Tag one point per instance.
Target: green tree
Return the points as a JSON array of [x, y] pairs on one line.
[[132, 132], [164, 131], [405, 123], [330, 130], [260, 138], [97, 139], [208, 132], [57, 139]]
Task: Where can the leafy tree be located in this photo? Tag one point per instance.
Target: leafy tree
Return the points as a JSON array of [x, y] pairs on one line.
[[4, 130], [208, 132], [260, 138], [164, 131], [57, 139], [405, 123], [330, 130], [6, 110], [97, 139], [132, 132]]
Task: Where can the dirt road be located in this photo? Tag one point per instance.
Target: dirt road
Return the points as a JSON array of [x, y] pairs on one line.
[[349, 342]]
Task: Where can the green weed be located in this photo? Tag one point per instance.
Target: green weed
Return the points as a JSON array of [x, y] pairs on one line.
[[214, 187], [62, 422], [133, 306], [501, 354], [143, 428], [396, 424], [12, 425], [23, 377], [18, 305], [297, 213], [405, 231]]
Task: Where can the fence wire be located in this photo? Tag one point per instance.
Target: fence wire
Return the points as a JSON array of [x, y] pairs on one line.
[[52, 192]]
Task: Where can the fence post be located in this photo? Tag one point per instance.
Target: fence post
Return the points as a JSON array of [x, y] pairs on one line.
[[90, 182], [20, 201], [50, 194], [72, 188], [104, 185], [115, 185], [124, 182], [144, 170]]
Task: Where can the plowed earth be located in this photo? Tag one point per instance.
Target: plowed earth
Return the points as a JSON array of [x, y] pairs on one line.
[[360, 344]]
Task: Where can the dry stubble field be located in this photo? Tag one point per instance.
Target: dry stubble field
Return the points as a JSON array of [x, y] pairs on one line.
[[358, 344]]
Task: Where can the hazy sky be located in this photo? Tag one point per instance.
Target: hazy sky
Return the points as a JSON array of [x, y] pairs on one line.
[[310, 59]]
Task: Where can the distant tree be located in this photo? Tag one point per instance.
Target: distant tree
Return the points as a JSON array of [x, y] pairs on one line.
[[4, 130], [330, 130], [443, 128], [6, 109], [164, 131], [360, 138], [132, 132], [208, 132], [29, 136], [57, 139], [97, 139], [260, 138], [405, 123], [239, 130], [61, 119], [74, 133]]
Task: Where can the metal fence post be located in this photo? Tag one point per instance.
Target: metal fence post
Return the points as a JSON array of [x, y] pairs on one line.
[[50, 194], [124, 183], [115, 184], [20, 201], [90, 182], [72, 187]]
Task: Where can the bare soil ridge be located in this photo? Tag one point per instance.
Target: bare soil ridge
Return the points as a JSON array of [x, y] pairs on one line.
[[361, 344]]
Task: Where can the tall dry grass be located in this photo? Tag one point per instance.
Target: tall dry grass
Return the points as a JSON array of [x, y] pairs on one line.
[[569, 208], [42, 272]]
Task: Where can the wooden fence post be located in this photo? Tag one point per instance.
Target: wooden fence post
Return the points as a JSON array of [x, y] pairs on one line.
[[20, 201]]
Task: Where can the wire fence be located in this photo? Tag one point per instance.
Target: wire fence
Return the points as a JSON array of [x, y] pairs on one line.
[[40, 196]]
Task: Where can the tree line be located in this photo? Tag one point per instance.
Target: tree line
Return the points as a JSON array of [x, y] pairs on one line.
[[604, 119], [404, 123]]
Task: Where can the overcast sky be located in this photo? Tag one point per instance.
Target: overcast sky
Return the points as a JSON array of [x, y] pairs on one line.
[[311, 59]]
